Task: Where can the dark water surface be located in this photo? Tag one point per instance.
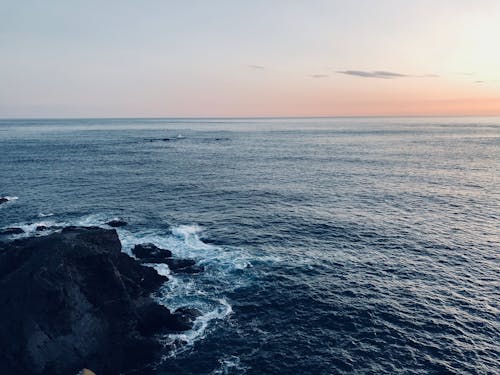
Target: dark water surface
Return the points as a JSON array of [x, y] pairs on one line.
[[331, 246]]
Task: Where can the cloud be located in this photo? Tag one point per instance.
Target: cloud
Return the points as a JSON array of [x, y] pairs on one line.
[[260, 67], [382, 74], [373, 74], [319, 75]]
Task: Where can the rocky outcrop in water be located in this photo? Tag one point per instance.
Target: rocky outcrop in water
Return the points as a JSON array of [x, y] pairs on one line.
[[150, 253], [7, 199], [73, 300], [115, 223]]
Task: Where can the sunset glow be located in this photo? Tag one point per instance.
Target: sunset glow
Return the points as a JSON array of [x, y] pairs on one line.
[[260, 58]]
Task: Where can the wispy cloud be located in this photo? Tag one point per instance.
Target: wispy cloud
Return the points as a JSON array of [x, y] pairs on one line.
[[383, 74], [373, 74], [319, 75], [259, 67]]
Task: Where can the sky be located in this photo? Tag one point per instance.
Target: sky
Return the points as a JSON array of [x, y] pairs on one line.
[[152, 58]]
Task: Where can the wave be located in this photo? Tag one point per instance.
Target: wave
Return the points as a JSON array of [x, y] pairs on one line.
[[41, 214], [39, 228], [206, 292], [180, 342]]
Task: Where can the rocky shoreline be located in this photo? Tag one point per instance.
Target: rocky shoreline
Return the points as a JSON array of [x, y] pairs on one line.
[[72, 300]]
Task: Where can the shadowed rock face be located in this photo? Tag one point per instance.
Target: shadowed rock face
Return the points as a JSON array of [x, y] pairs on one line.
[[73, 300]]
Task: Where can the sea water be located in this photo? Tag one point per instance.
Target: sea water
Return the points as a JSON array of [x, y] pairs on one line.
[[330, 245]]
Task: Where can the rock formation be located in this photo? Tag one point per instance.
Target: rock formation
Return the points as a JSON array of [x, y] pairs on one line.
[[72, 300], [150, 253], [115, 223]]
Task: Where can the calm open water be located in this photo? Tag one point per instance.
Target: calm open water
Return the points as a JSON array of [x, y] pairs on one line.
[[331, 246]]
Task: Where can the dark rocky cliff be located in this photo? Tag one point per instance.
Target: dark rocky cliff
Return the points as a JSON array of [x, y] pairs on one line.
[[72, 300]]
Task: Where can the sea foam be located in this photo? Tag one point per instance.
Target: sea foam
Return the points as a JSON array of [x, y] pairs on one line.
[[205, 292]]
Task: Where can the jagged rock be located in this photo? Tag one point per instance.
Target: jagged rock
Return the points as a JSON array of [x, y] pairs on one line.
[[73, 300], [151, 252], [7, 231], [115, 223]]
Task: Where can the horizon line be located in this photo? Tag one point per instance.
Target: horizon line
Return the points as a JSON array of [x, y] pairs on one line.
[[240, 117]]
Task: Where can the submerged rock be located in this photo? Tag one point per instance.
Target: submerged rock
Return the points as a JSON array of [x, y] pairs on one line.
[[115, 223], [73, 300], [6, 231]]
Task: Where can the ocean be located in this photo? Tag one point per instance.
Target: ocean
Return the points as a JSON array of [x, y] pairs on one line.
[[330, 245]]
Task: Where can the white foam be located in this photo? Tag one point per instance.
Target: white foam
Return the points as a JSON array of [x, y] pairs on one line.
[[55, 226], [189, 234], [206, 291], [162, 269], [181, 342], [30, 229], [185, 231], [184, 242], [41, 214], [90, 220], [229, 365]]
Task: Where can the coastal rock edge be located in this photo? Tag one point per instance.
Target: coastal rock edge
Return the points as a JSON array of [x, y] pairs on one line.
[[73, 300]]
